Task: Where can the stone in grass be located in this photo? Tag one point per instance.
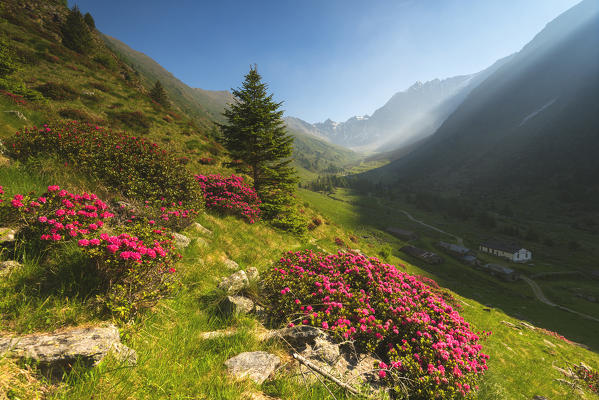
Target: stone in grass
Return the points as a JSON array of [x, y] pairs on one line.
[[181, 241], [300, 336], [7, 235], [234, 283], [230, 264], [252, 273], [55, 352], [6, 267], [236, 305], [255, 365], [199, 228], [201, 243]]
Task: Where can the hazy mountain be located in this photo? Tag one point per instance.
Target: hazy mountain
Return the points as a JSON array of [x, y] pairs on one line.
[[407, 118], [533, 123]]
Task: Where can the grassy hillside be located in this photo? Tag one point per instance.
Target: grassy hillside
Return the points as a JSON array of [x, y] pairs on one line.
[[175, 361], [194, 101]]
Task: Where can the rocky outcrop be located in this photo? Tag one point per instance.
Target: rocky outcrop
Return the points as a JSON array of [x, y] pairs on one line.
[[237, 305], [230, 264], [255, 365], [234, 283], [181, 241], [201, 229], [55, 352], [252, 274], [7, 235], [7, 267]]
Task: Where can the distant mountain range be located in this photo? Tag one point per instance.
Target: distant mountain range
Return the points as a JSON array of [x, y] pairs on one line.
[[408, 117], [532, 124]]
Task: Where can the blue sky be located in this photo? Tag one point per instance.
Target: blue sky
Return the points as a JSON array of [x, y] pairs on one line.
[[324, 58]]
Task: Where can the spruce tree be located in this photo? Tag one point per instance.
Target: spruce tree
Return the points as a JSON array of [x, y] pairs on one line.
[[75, 32], [89, 20], [158, 94], [255, 134]]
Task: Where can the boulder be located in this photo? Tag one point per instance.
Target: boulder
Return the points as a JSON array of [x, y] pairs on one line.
[[255, 365], [181, 241], [202, 230], [56, 352], [252, 273], [301, 336], [7, 235], [325, 350], [6, 267], [201, 243], [230, 264], [234, 283], [236, 305]]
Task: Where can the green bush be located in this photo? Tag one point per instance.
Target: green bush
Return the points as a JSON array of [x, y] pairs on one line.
[[57, 91], [133, 119], [7, 63], [105, 60], [136, 167], [75, 114]]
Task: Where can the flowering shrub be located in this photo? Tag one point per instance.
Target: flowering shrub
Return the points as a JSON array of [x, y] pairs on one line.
[[426, 346], [207, 161], [230, 195], [57, 215], [136, 266], [138, 168], [590, 378], [158, 214], [18, 99]]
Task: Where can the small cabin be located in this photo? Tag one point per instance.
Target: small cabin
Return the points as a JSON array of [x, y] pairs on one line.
[[512, 251], [402, 233], [424, 255], [502, 272], [454, 249]]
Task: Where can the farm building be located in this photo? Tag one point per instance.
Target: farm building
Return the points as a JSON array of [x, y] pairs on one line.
[[511, 251], [424, 255], [454, 248], [402, 233], [469, 259], [502, 272]]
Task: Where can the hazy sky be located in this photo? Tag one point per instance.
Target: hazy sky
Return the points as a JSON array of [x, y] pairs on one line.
[[324, 58]]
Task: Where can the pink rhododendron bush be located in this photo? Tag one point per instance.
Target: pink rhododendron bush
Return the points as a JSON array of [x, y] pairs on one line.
[[427, 349], [134, 166], [230, 195], [134, 260]]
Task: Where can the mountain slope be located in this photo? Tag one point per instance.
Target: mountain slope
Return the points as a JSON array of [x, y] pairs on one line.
[[194, 101], [531, 125]]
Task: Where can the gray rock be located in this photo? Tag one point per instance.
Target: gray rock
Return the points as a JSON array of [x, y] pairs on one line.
[[260, 312], [301, 336], [181, 241], [7, 235], [59, 351], [201, 243], [236, 305], [7, 267], [199, 228], [540, 398], [255, 365], [234, 283], [230, 264], [252, 273], [325, 351]]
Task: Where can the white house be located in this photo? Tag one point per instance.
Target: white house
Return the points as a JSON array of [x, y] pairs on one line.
[[511, 251]]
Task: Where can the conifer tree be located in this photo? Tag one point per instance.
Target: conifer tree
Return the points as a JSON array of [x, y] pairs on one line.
[[255, 133], [158, 94], [89, 20], [75, 32]]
